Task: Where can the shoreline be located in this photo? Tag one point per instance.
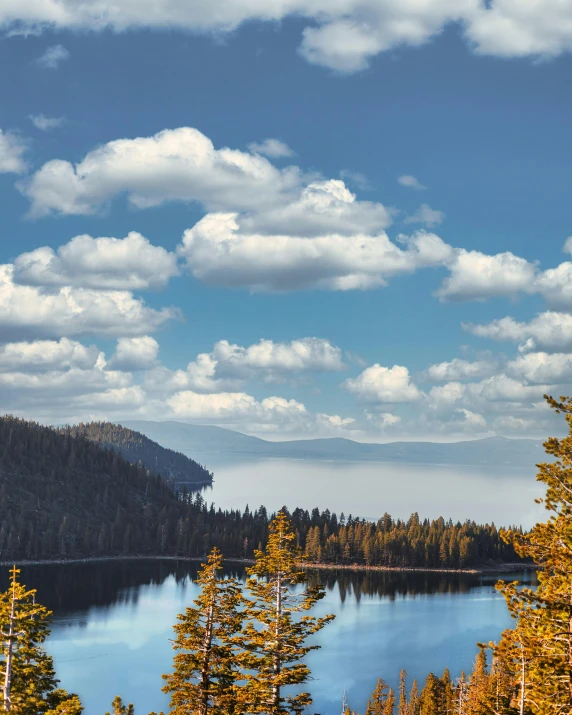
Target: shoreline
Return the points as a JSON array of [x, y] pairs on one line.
[[356, 568]]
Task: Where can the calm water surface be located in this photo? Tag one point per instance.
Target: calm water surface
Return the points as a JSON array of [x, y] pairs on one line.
[[368, 490], [113, 621]]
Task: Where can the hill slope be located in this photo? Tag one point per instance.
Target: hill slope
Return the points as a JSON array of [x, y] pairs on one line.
[[62, 495], [136, 447], [204, 441]]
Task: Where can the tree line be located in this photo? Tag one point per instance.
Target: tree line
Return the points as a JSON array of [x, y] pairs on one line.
[[64, 494]]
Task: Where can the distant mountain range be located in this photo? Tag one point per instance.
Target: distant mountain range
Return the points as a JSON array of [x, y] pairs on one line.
[[202, 442]]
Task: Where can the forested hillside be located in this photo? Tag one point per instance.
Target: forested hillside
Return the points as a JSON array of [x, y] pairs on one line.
[[63, 495], [136, 447]]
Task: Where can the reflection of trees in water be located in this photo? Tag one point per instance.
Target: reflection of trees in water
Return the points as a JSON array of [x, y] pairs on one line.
[[392, 584], [66, 588], [73, 588]]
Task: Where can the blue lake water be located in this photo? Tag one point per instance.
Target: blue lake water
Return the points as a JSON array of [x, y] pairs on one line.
[[113, 621]]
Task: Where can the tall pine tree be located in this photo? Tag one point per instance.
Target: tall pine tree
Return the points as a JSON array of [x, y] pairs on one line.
[[275, 636], [205, 665], [28, 681]]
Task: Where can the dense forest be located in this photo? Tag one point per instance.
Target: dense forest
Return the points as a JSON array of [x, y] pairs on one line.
[[63, 496], [137, 448]]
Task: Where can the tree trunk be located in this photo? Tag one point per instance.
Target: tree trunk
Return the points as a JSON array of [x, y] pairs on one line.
[[8, 673], [205, 679]]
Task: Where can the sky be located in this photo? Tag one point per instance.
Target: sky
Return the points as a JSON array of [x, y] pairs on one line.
[[293, 218]]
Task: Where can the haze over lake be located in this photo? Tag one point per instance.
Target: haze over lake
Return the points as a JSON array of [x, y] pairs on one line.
[[505, 496]]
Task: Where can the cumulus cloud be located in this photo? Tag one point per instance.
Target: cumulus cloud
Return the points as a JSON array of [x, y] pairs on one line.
[[272, 414], [426, 215], [542, 367], [28, 312], [458, 369], [378, 384], [477, 276], [135, 354], [274, 148], [12, 150], [44, 124], [382, 420], [45, 355], [173, 165], [343, 36], [217, 251], [228, 366], [53, 57], [411, 182], [131, 263], [550, 331]]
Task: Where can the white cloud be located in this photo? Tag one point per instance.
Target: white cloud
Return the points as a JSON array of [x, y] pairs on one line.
[[477, 276], [44, 124], [228, 366], [135, 354], [542, 367], [471, 420], [411, 182], [12, 150], [131, 263], [343, 35], [173, 165], [239, 409], [321, 207], [217, 251], [458, 369], [43, 355], [550, 331], [29, 312], [382, 420], [426, 215], [53, 57], [274, 148], [378, 384]]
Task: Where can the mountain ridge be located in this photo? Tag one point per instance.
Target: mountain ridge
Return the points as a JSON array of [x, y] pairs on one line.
[[207, 440]]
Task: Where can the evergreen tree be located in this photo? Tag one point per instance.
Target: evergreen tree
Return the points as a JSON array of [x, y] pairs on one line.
[[275, 634], [376, 703], [120, 709], [541, 643], [205, 665], [403, 705], [27, 678]]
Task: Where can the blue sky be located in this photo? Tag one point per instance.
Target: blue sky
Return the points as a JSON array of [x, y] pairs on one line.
[[391, 265]]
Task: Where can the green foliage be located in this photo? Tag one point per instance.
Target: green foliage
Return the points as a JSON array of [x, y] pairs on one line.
[[28, 682], [119, 708], [539, 648], [275, 631], [205, 666]]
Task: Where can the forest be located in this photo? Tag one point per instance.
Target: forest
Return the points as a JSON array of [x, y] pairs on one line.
[[137, 448], [64, 495]]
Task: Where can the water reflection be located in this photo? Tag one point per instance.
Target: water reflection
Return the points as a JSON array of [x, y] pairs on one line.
[[113, 624]]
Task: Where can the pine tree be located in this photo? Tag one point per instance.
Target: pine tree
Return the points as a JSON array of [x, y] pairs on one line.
[[403, 706], [477, 701], [205, 665], [27, 678], [275, 634], [414, 699], [389, 705], [540, 646], [120, 709], [376, 703]]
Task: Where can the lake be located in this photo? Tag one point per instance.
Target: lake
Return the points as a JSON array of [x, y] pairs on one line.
[[505, 496], [113, 621]]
